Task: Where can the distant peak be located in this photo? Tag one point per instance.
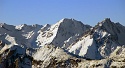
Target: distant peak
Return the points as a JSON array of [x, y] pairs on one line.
[[23, 25], [37, 25]]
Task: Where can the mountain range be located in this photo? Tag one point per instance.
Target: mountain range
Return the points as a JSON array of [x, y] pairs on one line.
[[67, 44]]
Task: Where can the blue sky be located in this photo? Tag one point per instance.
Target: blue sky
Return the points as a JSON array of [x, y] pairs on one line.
[[90, 12]]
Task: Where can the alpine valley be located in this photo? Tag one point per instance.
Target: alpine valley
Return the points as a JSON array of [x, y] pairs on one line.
[[67, 44]]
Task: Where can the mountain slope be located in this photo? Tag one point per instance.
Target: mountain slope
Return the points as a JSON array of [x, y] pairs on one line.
[[67, 44]]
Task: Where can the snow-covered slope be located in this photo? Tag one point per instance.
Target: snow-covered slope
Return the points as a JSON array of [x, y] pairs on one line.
[[50, 51]]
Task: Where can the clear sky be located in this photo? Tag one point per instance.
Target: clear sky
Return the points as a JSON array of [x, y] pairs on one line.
[[43, 12]]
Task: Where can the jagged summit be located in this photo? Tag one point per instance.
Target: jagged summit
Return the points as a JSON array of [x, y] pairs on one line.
[[65, 19], [107, 20]]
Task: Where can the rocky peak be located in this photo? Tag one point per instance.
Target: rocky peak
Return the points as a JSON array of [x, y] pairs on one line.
[[114, 29], [107, 20], [67, 20]]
